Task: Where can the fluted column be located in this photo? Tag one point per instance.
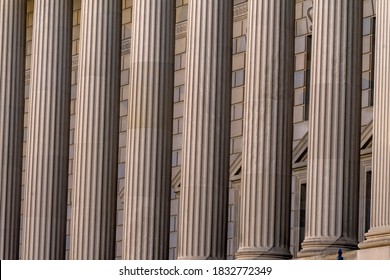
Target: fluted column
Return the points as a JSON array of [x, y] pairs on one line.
[[48, 139], [203, 195], [148, 185], [267, 137], [334, 128], [379, 233], [12, 57], [96, 136]]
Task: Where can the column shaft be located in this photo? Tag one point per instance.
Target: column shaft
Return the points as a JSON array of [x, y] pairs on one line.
[[96, 136], [12, 57], [148, 186], [206, 136], [48, 139], [267, 137], [334, 128], [379, 233]]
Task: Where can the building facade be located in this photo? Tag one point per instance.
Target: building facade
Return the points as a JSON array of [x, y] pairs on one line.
[[194, 129]]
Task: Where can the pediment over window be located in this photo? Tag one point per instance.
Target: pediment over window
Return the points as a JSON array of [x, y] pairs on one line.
[[234, 174], [176, 182], [299, 156], [235, 169], [366, 140], [121, 193]]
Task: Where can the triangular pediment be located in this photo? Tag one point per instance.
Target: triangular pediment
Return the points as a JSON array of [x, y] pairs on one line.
[[235, 169], [176, 182], [299, 156], [121, 193], [366, 140]]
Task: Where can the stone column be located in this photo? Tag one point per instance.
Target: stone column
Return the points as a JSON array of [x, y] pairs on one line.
[[96, 136], [206, 136], [48, 138], [334, 128], [267, 137], [12, 56], [148, 186], [379, 233]]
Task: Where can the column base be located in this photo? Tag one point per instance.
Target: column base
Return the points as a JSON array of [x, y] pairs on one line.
[[272, 253], [376, 237], [324, 247]]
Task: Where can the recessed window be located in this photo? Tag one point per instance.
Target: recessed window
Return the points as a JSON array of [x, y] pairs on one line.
[[367, 202], [302, 214]]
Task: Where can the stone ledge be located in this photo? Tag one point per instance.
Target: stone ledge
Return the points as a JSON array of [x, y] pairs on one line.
[[377, 253]]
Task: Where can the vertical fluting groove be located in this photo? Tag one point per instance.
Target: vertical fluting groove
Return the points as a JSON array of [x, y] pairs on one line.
[[206, 131], [96, 135], [148, 179], [12, 59], [48, 141], [267, 136], [379, 233], [334, 128]]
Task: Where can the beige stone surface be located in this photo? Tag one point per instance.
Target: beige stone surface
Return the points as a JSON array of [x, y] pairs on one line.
[[205, 165], [375, 253], [96, 135], [149, 143], [12, 59]]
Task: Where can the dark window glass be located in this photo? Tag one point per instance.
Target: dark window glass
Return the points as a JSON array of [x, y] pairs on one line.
[[368, 201], [302, 215]]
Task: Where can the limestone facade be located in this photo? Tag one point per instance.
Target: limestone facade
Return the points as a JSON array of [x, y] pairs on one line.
[[118, 163]]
